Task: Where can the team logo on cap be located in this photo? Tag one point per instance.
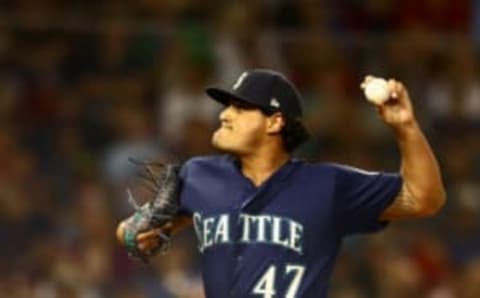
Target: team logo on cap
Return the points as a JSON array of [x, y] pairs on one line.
[[274, 103], [240, 80]]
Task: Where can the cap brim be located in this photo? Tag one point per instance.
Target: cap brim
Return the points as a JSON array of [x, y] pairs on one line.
[[226, 97]]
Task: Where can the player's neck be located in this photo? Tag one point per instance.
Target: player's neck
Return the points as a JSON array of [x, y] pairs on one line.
[[260, 166]]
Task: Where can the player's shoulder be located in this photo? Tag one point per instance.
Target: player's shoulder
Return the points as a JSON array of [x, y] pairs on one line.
[[334, 169], [342, 168], [310, 166], [208, 162]]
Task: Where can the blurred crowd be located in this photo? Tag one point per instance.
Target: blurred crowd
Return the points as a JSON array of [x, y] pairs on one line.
[[86, 84]]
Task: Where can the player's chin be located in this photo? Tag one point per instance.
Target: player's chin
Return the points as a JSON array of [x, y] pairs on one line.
[[220, 142]]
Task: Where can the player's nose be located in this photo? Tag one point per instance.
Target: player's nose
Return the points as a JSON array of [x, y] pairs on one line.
[[226, 113]]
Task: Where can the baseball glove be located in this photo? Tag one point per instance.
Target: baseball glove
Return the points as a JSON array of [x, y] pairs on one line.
[[162, 181]]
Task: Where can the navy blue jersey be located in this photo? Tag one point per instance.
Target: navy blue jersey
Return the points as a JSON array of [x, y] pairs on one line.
[[280, 239]]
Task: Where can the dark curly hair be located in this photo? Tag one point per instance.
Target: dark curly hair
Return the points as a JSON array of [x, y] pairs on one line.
[[294, 134]]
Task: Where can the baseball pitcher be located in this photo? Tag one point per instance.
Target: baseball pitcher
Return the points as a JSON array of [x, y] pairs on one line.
[[269, 225]]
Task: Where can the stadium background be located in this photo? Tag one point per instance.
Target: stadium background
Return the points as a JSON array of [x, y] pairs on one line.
[[85, 84]]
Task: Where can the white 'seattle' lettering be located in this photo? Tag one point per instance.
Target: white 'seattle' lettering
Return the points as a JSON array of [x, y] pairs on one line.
[[222, 234], [207, 231], [245, 220], [264, 228], [276, 233], [262, 221]]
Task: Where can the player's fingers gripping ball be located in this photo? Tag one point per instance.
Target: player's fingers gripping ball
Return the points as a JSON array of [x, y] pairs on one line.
[[142, 233], [376, 90]]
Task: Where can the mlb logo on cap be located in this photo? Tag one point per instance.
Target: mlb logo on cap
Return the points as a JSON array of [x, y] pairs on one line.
[[274, 103]]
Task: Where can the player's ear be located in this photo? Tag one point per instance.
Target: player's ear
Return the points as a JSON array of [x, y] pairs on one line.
[[275, 123]]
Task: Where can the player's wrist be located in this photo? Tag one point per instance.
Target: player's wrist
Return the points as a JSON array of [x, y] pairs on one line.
[[406, 129]]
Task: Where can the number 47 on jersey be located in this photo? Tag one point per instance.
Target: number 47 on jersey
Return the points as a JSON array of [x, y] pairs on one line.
[[266, 284]]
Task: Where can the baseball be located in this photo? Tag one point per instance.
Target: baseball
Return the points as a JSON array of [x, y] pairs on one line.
[[376, 90]]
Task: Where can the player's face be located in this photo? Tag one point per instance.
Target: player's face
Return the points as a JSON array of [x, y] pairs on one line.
[[242, 129]]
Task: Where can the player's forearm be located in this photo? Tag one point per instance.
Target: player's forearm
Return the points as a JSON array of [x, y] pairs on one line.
[[149, 238], [420, 169]]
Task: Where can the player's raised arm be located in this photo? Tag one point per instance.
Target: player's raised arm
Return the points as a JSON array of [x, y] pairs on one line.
[[422, 193]]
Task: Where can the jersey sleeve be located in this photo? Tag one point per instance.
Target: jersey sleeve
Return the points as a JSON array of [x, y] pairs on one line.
[[184, 181], [361, 197]]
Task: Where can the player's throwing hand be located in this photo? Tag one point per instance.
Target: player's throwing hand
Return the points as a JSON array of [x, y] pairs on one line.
[[397, 111]]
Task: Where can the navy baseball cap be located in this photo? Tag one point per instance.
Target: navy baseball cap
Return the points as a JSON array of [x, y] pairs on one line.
[[265, 89]]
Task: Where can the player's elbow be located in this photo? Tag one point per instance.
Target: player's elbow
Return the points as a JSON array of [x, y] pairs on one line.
[[432, 203]]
